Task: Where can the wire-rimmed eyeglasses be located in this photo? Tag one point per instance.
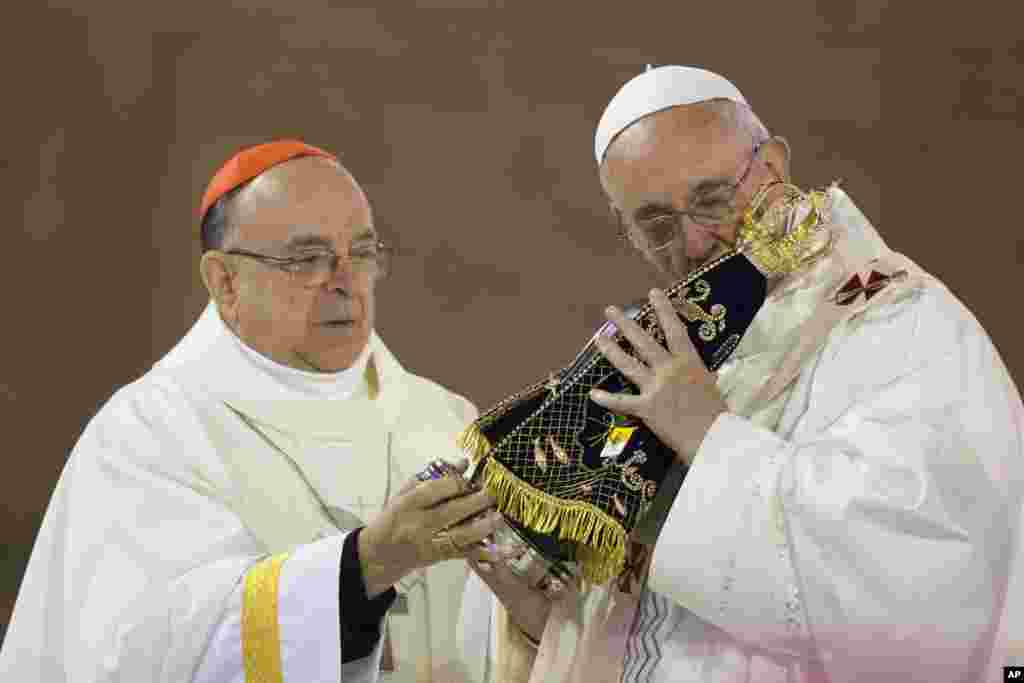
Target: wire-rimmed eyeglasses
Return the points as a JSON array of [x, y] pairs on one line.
[[371, 260], [661, 230]]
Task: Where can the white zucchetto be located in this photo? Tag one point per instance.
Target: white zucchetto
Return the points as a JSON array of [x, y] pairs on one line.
[[656, 89]]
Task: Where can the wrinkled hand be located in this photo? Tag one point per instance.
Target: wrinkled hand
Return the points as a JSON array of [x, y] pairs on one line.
[[678, 398], [527, 598], [405, 535]]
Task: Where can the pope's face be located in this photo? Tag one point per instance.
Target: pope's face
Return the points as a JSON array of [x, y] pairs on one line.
[[681, 163], [305, 207]]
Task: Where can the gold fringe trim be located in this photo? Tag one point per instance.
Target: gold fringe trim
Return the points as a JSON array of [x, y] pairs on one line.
[[474, 443], [601, 540]]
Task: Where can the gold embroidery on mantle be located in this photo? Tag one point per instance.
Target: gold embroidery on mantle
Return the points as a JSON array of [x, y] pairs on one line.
[[712, 322], [602, 541]]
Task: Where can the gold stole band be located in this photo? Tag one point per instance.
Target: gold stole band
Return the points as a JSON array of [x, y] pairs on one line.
[[261, 639]]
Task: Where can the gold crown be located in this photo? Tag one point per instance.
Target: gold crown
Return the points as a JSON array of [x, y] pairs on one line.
[[785, 229]]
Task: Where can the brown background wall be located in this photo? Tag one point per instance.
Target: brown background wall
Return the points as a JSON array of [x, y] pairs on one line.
[[470, 126]]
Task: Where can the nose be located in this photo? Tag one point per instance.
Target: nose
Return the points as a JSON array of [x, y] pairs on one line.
[[342, 277]]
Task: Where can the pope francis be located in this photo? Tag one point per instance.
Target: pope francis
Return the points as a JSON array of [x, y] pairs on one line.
[[854, 472], [239, 513]]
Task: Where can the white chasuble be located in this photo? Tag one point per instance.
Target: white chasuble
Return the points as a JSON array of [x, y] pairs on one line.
[[853, 518], [196, 530]]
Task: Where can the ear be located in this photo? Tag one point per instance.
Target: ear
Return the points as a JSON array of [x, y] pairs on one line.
[[622, 230], [616, 214], [220, 280], [777, 156]]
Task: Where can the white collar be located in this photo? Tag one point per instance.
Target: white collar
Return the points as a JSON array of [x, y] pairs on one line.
[[329, 385], [211, 357]]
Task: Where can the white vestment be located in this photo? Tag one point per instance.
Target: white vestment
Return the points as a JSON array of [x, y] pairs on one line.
[[862, 528], [189, 479]]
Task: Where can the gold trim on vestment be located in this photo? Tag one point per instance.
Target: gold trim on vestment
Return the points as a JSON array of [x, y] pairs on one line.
[[261, 638]]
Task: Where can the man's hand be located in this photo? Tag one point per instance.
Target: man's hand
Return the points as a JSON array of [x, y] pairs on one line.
[[425, 524], [679, 400], [527, 598]]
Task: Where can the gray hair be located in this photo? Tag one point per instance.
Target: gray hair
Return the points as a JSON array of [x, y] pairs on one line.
[[215, 226]]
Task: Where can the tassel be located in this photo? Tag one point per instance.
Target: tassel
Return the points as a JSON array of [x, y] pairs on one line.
[[601, 540], [474, 443]]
